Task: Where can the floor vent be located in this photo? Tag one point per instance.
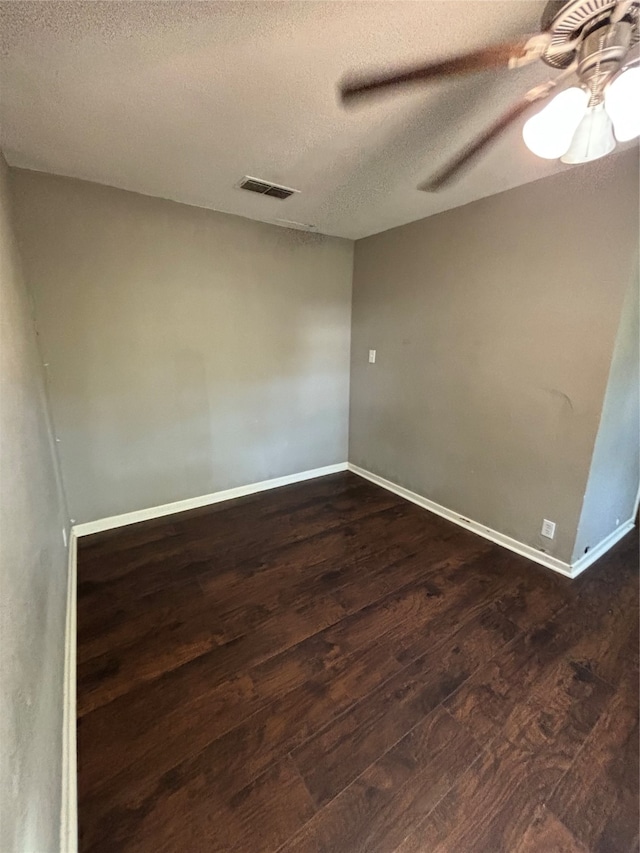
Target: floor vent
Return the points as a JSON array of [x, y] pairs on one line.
[[255, 185]]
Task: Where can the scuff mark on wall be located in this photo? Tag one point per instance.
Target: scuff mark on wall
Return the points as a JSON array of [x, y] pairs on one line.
[[560, 395]]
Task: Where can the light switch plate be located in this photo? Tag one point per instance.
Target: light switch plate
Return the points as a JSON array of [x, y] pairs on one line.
[[548, 528]]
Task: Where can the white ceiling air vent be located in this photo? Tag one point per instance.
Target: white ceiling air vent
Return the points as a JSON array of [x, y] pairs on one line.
[[255, 185]]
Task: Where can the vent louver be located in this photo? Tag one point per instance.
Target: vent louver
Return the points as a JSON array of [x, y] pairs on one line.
[[255, 185]]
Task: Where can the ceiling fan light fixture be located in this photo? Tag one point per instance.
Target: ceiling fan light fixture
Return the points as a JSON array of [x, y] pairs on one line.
[[593, 137], [622, 102], [548, 134]]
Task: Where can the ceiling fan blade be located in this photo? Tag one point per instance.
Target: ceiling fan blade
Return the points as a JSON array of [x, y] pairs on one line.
[[475, 148], [494, 56], [468, 154]]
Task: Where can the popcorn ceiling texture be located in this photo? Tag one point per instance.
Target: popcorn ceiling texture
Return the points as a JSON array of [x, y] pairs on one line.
[[179, 100]]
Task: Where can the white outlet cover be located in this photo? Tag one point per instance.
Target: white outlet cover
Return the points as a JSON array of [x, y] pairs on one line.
[[372, 356], [548, 528]]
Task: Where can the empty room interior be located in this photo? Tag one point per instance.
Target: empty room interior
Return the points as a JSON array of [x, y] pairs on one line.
[[320, 426]]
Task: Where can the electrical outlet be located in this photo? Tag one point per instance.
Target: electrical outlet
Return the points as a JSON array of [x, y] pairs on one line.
[[548, 528], [372, 356], [64, 536]]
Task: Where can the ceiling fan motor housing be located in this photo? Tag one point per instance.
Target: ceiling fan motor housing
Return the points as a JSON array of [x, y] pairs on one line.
[[601, 54], [604, 45]]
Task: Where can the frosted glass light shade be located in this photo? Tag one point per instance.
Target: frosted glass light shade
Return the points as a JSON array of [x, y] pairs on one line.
[[593, 137], [549, 133], [622, 100]]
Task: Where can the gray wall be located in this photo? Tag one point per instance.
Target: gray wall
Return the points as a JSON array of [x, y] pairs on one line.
[[615, 468], [34, 574], [494, 326], [189, 351]]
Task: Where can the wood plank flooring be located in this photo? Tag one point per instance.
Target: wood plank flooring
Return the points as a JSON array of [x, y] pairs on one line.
[[326, 668]]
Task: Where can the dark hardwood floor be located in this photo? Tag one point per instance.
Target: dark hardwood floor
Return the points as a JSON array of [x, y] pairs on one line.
[[326, 667]]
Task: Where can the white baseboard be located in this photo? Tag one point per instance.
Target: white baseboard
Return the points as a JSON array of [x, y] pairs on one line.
[[114, 521], [69, 804], [601, 548], [69, 801], [493, 535], [567, 569]]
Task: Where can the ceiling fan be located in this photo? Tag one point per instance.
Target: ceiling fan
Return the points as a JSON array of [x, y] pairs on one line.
[[591, 43]]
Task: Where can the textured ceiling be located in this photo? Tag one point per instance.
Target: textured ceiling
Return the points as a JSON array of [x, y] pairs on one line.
[[179, 100]]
